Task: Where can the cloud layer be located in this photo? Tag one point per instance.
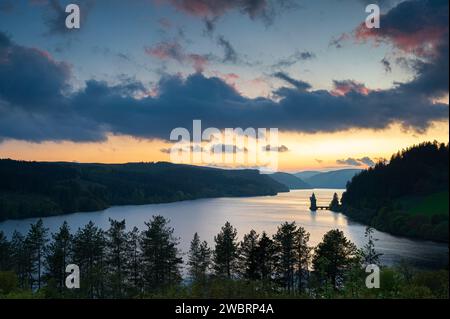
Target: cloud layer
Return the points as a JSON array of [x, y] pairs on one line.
[[265, 9], [38, 104]]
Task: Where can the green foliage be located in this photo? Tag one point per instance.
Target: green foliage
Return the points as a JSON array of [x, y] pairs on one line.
[[116, 258], [292, 255], [8, 282], [132, 264], [199, 260], [225, 255], [369, 254], [89, 245], [408, 196], [334, 256], [160, 256], [248, 256], [5, 253], [58, 256], [430, 205], [335, 206]]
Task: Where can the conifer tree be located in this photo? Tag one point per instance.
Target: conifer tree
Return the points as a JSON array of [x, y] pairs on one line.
[[134, 260], [248, 256], [226, 251], [89, 245], [116, 260], [161, 260], [199, 260], [59, 255], [335, 206], [21, 261], [266, 257], [334, 256], [5, 253], [36, 242], [285, 243], [302, 256]]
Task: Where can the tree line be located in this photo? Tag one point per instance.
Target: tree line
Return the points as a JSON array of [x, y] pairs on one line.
[[118, 263], [381, 196], [34, 189], [121, 263]]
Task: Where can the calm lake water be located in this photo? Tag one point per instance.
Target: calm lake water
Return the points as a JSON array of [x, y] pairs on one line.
[[206, 216]]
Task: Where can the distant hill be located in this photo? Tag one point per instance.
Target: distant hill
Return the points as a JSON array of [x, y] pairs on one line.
[[306, 174], [34, 189], [408, 196], [290, 181], [333, 179]]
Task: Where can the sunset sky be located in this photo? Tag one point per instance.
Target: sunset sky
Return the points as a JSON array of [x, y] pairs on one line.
[[342, 95]]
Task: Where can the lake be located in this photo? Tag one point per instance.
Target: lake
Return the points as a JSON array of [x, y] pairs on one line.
[[207, 216]]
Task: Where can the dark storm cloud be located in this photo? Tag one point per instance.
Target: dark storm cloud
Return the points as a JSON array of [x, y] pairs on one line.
[[6, 6], [346, 86], [298, 84], [30, 77], [36, 104], [420, 28], [4, 41]]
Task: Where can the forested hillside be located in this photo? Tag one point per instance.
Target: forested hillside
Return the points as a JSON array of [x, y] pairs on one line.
[[33, 189], [408, 196]]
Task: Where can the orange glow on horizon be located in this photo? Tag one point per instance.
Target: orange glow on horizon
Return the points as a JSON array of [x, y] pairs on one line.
[[318, 151]]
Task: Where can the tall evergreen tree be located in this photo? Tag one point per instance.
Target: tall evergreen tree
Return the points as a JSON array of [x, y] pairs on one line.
[[134, 260], [335, 205], [266, 257], [59, 255], [199, 260], [36, 242], [334, 256], [302, 256], [248, 256], [5, 253], [226, 251], [285, 242], [21, 260], [161, 260], [116, 260], [89, 245]]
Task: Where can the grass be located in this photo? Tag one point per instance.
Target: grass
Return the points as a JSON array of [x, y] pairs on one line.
[[434, 204]]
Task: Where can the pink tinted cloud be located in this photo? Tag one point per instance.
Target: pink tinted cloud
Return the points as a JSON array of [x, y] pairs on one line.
[[174, 51], [166, 51], [214, 8], [199, 62], [342, 88], [423, 42]]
